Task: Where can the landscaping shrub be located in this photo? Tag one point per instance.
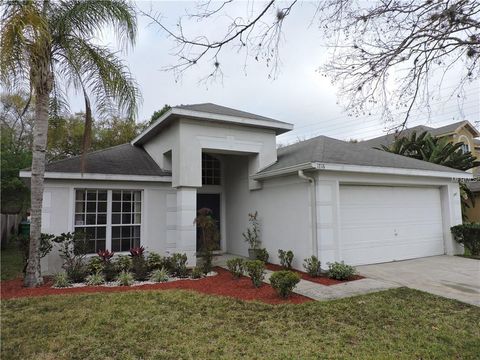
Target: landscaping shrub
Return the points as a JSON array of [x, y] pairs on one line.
[[236, 267], [286, 258], [125, 278], [197, 272], [207, 260], [284, 282], [312, 266], [256, 271], [61, 280], [45, 246], [179, 264], [252, 236], [123, 263], [95, 265], [159, 275], [95, 279], [109, 268], [469, 236], [73, 250], [155, 261], [262, 255], [340, 271], [139, 264]]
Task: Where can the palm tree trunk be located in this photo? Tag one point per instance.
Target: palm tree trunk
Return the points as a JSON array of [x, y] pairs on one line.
[[42, 83]]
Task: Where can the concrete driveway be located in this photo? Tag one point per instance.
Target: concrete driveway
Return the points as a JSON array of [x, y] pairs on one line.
[[449, 276]]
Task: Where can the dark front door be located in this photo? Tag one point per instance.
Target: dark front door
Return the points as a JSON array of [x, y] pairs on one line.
[[212, 202]]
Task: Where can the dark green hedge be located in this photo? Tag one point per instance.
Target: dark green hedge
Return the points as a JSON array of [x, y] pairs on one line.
[[469, 236]]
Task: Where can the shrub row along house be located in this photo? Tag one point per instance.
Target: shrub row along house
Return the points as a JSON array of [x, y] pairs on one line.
[[324, 197]]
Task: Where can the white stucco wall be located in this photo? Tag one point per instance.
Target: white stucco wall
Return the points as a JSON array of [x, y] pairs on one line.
[[58, 213], [283, 208]]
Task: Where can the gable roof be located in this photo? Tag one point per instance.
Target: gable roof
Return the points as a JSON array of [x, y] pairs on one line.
[[323, 149], [214, 113], [124, 159], [440, 131]]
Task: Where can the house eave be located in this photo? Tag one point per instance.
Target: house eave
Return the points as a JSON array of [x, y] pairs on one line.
[[362, 169], [102, 177]]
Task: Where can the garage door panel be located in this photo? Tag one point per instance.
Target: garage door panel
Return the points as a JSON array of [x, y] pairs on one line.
[[380, 223]]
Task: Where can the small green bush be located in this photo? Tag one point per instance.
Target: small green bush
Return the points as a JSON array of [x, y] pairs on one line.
[[154, 261], [139, 264], [256, 271], [197, 272], [159, 275], [340, 271], [95, 279], [312, 266], [61, 280], [286, 258], [179, 264], [262, 255], [125, 278], [284, 282], [123, 263], [207, 261], [95, 265], [236, 267], [76, 271], [469, 236]]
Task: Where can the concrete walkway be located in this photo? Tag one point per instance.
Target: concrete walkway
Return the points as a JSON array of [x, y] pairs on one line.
[[322, 292], [452, 277]]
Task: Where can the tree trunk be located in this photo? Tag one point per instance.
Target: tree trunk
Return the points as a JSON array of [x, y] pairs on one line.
[[42, 81]]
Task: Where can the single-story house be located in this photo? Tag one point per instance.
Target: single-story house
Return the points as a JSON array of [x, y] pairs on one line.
[[324, 197]]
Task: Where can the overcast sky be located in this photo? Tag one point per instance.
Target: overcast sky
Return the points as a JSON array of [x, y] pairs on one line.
[[298, 95]]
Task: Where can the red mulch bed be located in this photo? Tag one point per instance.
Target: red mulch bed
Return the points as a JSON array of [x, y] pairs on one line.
[[222, 284], [324, 280]]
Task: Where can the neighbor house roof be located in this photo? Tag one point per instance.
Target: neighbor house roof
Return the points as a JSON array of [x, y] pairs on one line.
[[213, 113], [124, 159], [440, 131], [323, 149]]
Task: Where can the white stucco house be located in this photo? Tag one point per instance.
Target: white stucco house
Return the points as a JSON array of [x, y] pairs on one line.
[[322, 196]]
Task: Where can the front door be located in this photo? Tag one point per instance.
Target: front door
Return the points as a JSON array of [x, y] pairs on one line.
[[212, 202]]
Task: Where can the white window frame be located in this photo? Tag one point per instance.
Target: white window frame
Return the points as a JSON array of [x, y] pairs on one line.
[[108, 225]]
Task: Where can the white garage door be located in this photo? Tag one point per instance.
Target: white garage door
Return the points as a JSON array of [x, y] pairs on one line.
[[382, 223]]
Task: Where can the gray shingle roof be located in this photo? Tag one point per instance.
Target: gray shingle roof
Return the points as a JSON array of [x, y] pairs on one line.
[[327, 150], [124, 159], [223, 110]]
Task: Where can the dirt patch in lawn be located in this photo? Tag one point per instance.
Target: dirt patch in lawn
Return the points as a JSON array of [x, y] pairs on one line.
[[222, 284], [323, 280]]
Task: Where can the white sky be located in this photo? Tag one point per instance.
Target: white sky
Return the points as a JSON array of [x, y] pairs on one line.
[[299, 95]]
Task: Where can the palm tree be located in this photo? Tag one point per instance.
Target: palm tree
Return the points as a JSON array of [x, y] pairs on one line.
[[47, 47]]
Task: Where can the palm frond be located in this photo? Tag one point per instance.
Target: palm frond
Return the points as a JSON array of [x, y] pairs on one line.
[[86, 19]]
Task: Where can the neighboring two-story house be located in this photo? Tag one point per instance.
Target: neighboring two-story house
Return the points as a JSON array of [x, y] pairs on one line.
[[463, 132]]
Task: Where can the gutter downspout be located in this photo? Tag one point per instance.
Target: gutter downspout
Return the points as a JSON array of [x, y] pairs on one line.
[[313, 211]]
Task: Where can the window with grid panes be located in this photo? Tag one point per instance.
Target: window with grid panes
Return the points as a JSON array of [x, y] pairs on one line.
[[111, 219], [210, 170]]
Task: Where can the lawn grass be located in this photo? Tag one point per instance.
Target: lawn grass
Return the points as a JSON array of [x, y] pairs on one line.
[[11, 262], [175, 324]]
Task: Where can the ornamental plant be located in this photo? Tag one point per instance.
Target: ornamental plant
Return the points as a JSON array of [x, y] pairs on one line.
[[209, 236], [125, 278], [236, 267], [73, 250], [139, 264], [312, 266], [252, 235], [95, 279], [123, 263], [256, 271], [286, 258], [340, 271], [197, 272], [155, 261], [159, 275], [469, 236], [262, 254], [284, 282], [95, 265], [109, 269], [61, 280], [179, 265]]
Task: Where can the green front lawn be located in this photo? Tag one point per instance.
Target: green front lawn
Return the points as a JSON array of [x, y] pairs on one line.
[[400, 324], [11, 263]]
